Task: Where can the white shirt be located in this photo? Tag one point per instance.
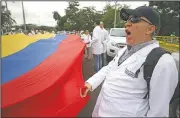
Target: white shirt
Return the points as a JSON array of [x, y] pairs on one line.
[[32, 32], [82, 36], [122, 95], [29, 34], [105, 40], [86, 39], [97, 46]]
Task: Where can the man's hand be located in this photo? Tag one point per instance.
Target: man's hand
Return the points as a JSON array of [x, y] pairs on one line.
[[84, 91]]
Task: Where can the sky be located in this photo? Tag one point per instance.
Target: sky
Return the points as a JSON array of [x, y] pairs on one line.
[[40, 12]]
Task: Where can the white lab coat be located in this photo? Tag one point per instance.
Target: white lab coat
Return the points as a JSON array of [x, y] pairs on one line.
[[122, 95], [86, 39], [32, 32], [82, 36], [105, 40], [97, 46]]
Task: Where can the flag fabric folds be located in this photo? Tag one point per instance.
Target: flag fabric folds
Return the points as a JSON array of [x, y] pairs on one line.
[[43, 79]]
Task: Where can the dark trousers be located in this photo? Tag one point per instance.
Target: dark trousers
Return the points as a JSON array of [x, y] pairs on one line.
[[104, 61]]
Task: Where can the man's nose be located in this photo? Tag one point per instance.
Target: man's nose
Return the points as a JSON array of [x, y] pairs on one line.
[[128, 24]]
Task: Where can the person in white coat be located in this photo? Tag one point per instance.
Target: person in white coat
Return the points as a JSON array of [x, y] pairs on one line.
[[87, 39], [81, 34], [122, 94], [104, 42], [97, 46]]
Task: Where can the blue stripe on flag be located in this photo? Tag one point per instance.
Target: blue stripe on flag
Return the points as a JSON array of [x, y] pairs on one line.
[[24, 60]]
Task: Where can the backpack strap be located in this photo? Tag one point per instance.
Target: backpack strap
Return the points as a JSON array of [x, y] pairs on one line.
[[176, 93], [150, 63]]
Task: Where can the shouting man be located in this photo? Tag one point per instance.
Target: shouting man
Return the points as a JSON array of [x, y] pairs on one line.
[[125, 92]]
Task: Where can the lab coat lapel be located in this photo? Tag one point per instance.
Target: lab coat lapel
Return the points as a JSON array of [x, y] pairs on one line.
[[128, 60], [120, 53]]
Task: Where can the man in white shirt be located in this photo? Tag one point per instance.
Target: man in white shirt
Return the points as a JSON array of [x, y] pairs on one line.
[[32, 32], [97, 46], [124, 90], [104, 42]]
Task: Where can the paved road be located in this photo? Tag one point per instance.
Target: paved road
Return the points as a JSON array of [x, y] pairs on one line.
[[88, 72]]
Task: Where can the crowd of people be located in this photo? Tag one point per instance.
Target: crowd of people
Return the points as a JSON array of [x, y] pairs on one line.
[[96, 45], [29, 33]]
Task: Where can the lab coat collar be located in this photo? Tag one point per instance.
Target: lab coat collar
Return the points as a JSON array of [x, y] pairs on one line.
[[128, 61], [142, 53], [146, 50]]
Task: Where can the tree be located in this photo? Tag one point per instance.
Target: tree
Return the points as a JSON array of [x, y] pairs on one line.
[[6, 19], [169, 13], [77, 19], [60, 20], [71, 14], [84, 18], [108, 17], [46, 28], [29, 27], [56, 16], [87, 17]]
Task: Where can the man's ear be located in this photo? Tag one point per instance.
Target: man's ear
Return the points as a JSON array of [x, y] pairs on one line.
[[151, 29]]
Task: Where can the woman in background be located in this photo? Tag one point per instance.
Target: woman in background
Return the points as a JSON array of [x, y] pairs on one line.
[[87, 40]]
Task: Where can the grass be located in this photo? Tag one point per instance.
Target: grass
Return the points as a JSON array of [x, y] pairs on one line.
[[169, 47]]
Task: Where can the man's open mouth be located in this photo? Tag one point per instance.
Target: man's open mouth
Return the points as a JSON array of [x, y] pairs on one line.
[[128, 32]]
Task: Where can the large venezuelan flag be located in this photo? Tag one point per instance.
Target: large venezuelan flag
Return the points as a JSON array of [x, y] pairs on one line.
[[42, 75]]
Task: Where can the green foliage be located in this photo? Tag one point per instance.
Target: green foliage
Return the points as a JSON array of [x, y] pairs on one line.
[[46, 28], [169, 12], [108, 17], [61, 23], [56, 16], [72, 13], [84, 19], [30, 27], [6, 20]]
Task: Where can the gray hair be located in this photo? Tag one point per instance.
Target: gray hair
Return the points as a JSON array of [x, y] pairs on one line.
[[101, 22], [155, 32]]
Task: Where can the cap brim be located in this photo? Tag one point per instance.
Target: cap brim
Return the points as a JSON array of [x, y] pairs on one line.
[[125, 13]]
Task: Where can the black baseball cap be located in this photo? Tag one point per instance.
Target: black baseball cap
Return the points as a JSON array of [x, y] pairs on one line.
[[143, 11]]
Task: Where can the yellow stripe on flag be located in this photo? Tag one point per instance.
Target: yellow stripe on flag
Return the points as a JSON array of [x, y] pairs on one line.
[[13, 43]]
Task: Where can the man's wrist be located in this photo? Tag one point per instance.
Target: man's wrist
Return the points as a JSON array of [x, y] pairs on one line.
[[88, 85]]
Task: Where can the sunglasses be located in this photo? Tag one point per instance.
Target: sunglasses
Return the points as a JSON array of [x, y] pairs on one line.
[[135, 19]]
